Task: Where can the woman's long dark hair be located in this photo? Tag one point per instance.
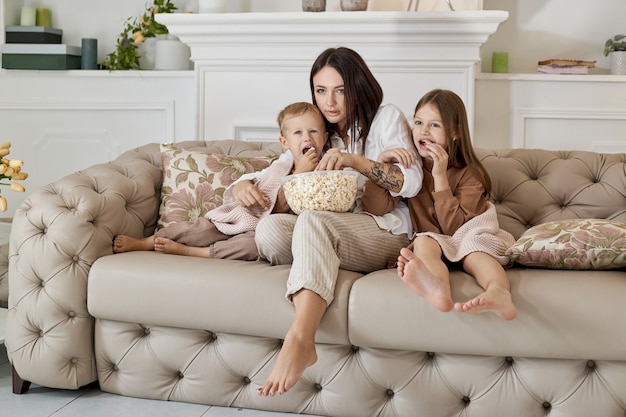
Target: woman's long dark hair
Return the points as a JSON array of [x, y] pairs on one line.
[[363, 94], [454, 118]]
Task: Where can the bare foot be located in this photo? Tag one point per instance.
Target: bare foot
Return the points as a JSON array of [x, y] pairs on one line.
[[123, 243], [417, 276], [165, 245], [294, 357], [497, 300]]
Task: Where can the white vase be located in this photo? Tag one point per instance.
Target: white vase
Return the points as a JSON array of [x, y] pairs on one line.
[[146, 51], [618, 62], [171, 54], [211, 6]]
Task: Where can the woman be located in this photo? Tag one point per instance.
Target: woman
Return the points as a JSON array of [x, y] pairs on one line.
[[319, 243]]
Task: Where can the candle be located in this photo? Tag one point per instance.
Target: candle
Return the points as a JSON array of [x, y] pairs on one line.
[[44, 17], [500, 62], [89, 53], [29, 16]]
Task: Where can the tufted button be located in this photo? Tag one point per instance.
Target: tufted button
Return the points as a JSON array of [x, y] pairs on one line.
[[71, 314], [181, 375], [547, 405], [591, 364], [355, 348], [246, 380], [509, 360], [390, 393], [41, 333], [75, 258], [430, 354], [318, 387], [115, 368], [74, 360], [146, 331]]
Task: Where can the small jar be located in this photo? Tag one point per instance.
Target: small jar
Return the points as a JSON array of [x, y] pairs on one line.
[[353, 5], [313, 5]]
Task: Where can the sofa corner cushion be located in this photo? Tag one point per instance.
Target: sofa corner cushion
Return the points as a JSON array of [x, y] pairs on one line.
[[580, 244], [194, 181]]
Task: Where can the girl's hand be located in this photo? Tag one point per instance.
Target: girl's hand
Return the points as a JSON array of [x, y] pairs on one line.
[[398, 155], [247, 194], [335, 159], [439, 156]]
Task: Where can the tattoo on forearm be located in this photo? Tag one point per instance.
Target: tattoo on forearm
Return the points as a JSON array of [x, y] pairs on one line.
[[390, 178]]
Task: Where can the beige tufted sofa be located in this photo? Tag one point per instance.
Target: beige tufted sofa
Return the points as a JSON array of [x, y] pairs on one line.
[[208, 331]]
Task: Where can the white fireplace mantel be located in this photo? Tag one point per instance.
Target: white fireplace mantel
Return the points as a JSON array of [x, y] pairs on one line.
[[250, 65]]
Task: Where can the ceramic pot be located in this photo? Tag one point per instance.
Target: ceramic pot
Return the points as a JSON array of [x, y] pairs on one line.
[[353, 5], [618, 62], [313, 5], [171, 54]]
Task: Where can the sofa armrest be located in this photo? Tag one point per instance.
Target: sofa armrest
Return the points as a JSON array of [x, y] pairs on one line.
[[58, 232]]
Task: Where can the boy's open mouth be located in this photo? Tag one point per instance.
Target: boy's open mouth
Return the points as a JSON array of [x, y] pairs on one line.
[[305, 150]]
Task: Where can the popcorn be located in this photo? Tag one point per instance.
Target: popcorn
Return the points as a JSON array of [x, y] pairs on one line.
[[321, 190]]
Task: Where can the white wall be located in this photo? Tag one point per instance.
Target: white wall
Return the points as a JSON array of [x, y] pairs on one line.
[[536, 29]]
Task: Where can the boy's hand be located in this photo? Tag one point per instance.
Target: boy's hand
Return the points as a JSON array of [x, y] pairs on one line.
[[401, 156], [247, 194], [307, 163]]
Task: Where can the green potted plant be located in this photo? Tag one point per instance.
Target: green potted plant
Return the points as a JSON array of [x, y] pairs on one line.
[[615, 47], [126, 55]]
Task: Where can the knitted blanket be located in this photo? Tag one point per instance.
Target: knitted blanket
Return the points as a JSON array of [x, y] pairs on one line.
[[232, 219], [480, 234]]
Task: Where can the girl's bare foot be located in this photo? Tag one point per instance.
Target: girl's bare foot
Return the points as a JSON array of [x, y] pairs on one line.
[[123, 243], [165, 245], [294, 357], [417, 276], [497, 300]]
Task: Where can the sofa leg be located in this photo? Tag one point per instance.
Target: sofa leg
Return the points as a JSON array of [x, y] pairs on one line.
[[19, 385]]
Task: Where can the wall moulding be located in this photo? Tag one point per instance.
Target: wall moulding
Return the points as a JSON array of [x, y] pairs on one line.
[[250, 65]]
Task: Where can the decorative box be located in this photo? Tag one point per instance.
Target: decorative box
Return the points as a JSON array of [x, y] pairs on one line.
[[40, 56], [33, 34]]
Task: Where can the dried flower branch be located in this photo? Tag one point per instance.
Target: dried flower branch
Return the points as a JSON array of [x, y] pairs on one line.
[[10, 170]]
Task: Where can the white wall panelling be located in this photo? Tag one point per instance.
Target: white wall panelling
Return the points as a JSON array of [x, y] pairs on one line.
[[561, 112], [250, 65], [63, 121]]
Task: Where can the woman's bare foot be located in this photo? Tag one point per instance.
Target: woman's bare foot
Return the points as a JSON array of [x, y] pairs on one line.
[[497, 300], [123, 243], [294, 357], [165, 245], [417, 276]]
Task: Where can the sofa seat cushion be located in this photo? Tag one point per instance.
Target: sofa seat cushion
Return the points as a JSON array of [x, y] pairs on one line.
[[554, 321], [220, 295]]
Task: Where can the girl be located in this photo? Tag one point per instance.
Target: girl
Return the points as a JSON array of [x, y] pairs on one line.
[[451, 214], [319, 243]]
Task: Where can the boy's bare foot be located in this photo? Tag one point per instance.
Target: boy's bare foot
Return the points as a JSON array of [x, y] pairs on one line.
[[123, 243], [497, 300], [165, 245], [417, 276], [294, 357]]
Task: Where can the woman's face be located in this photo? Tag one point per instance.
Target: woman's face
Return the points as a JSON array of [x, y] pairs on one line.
[[329, 95], [428, 130]]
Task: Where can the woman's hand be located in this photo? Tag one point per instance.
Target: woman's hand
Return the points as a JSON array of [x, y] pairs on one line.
[[335, 159], [398, 155], [247, 194]]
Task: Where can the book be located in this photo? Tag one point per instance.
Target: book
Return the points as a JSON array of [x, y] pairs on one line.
[[33, 34], [568, 63], [40, 56], [560, 69]]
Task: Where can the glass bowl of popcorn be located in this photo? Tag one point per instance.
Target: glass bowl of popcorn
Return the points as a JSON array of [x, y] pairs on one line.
[[333, 190]]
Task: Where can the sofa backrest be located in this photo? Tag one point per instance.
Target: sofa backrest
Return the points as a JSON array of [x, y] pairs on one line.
[[533, 186]]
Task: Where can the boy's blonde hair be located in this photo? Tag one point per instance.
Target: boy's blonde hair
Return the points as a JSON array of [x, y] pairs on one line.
[[297, 109]]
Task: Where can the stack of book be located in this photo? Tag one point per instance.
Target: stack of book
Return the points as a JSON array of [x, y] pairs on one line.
[[565, 66], [38, 47]]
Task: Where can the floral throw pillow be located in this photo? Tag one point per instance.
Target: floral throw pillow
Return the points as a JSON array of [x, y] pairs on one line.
[[572, 244], [194, 182]]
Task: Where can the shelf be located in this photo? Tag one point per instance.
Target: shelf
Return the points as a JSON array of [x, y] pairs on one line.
[[594, 78], [98, 73]]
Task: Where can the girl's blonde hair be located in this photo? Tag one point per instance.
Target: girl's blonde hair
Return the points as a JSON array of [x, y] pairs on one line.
[[454, 118]]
